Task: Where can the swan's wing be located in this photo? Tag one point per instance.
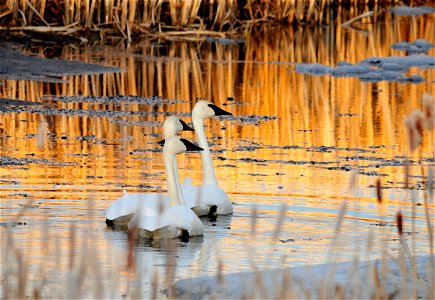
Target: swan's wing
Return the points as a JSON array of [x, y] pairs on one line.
[[123, 206], [153, 204], [152, 212], [149, 223], [183, 217], [127, 204], [207, 194]]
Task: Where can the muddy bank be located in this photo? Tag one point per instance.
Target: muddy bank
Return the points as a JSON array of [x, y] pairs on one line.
[[15, 65]]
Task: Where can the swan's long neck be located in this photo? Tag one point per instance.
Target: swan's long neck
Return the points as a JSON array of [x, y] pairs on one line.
[[177, 179], [171, 179], [207, 164]]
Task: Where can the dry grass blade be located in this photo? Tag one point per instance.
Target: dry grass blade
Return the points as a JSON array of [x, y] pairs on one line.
[[254, 220], [220, 277], [343, 208], [281, 216], [429, 111], [406, 175], [429, 197], [154, 285], [37, 13], [399, 220], [132, 238], [353, 20], [72, 240], [379, 191], [171, 254]]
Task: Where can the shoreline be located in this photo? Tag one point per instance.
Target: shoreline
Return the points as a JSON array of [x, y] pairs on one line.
[[360, 278]]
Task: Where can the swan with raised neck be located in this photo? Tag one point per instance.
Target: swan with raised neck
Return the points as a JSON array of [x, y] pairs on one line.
[[207, 199], [120, 211], [203, 110], [175, 219]]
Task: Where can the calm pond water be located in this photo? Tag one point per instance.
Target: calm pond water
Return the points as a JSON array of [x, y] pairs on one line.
[[291, 152]]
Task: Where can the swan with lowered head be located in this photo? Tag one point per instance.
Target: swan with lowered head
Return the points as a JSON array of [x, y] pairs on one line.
[[160, 220], [208, 198], [124, 208]]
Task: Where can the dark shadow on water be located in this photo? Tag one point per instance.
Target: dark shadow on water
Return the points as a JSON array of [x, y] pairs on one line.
[[194, 243]]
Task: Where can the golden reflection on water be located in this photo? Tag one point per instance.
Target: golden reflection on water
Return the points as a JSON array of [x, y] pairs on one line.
[[361, 121]]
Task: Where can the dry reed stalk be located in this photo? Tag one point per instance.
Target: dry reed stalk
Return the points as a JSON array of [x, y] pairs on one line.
[[429, 196], [281, 216], [173, 8], [151, 13], [72, 240], [310, 10], [171, 253], [284, 11], [220, 276], [379, 191], [348, 24], [414, 128], [132, 7], [62, 29], [132, 238], [90, 14], [403, 242], [254, 220], [108, 10], [154, 285], [225, 13], [404, 275], [22, 272]]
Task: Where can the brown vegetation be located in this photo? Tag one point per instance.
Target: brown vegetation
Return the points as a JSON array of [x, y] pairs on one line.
[[156, 18]]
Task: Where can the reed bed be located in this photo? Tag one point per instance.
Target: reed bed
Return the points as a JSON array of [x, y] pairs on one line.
[[188, 19]]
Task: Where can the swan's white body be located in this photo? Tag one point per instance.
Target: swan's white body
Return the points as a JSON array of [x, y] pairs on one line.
[[201, 198], [154, 215], [170, 223], [124, 208]]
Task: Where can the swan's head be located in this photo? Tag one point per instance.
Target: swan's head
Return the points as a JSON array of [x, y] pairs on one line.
[[205, 109], [176, 145], [173, 125]]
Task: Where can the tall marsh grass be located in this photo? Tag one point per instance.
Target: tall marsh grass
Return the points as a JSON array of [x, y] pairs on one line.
[[156, 18]]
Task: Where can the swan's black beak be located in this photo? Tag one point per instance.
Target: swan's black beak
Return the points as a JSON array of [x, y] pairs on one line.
[[190, 146], [162, 142], [219, 111], [186, 127]]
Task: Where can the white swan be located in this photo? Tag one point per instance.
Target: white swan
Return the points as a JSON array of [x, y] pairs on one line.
[[158, 220], [124, 208], [208, 198]]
